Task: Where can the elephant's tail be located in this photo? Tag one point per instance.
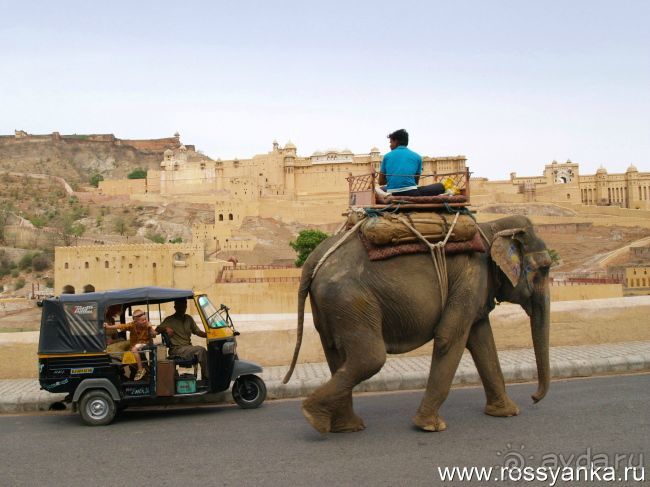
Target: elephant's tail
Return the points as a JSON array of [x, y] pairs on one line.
[[305, 281]]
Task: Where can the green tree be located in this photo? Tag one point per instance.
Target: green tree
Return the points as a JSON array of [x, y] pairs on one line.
[[176, 240], [6, 208], [125, 225], [95, 179], [138, 173], [120, 225], [306, 242], [555, 257], [20, 283]]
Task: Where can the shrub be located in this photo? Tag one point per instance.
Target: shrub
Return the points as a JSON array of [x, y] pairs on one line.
[[95, 179], [176, 240], [49, 282], [25, 261], [5, 264], [20, 283], [138, 173], [306, 242], [156, 238], [40, 263], [38, 221]]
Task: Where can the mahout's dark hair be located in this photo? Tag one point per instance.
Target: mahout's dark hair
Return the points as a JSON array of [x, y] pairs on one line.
[[401, 136]]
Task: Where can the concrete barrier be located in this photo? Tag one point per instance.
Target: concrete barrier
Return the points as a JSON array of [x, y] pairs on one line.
[[269, 339]]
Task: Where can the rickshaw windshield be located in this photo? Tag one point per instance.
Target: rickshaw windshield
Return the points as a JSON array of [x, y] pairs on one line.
[[212, 314]]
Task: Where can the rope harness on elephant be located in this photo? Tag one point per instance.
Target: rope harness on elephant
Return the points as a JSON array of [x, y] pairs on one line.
[[437, 250]]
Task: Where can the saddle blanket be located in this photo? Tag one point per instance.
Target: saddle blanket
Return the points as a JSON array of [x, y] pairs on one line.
[[376, 252]]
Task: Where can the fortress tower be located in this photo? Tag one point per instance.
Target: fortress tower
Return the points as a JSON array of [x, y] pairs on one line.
[[634, 194], [289, 168], [602, 198]]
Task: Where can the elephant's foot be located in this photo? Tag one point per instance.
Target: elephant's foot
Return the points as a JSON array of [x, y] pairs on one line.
[[503, 408], [319, 418], [347, 424], [429, 423]]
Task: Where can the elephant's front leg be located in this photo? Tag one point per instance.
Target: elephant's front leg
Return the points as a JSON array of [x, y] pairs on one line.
[[484, 352], [444, 362]]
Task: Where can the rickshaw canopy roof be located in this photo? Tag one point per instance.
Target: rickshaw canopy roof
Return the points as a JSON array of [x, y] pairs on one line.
[[73, 323], [149, 294]]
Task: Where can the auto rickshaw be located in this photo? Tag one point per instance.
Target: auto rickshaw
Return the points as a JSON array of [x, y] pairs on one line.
[[73, 356]]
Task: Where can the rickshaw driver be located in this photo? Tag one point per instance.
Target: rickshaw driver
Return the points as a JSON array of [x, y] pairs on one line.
[[140, 334], [179, 328]]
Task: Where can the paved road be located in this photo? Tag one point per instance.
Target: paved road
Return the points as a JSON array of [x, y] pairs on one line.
[[273, 445]]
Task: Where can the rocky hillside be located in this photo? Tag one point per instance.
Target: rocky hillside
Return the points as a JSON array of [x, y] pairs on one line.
[[78, 157]]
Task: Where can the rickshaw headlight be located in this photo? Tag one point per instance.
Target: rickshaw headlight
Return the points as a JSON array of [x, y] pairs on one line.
[[229, 348]]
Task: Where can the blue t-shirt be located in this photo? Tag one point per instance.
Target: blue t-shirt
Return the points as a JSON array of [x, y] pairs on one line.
[[400, 167]]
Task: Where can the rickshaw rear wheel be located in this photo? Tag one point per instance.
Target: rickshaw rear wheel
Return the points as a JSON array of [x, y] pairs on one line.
[[249, 391], [97, 408]]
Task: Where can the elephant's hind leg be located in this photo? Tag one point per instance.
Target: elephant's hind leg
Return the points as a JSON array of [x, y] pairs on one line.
[[343, 419], [329, 408], [484, 352]]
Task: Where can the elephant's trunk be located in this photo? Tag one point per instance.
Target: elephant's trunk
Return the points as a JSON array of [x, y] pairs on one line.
[[540, 322]]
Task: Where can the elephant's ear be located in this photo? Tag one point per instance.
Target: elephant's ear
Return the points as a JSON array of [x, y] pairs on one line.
[[505, 252]]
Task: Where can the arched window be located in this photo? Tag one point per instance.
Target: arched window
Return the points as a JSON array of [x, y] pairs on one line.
[[65, 266], [153, 265], [105, 264], [86, 265], [229, 216], [220, 218], [130, 266]]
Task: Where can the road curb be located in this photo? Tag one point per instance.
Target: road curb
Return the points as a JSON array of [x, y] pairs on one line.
[[396, 380]]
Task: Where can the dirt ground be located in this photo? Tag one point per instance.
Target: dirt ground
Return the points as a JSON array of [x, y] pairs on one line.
[[19, 361], [28, 319], [580, 252]]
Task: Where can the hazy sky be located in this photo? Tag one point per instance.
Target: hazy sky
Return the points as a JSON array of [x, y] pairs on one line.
[[512, 85]]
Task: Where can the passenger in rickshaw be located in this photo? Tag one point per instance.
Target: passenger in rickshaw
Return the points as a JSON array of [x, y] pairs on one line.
[[141, 333], [115, 341]]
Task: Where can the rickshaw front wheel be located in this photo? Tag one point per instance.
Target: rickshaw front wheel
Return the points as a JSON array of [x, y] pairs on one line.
[[249, 391], [97, 408]]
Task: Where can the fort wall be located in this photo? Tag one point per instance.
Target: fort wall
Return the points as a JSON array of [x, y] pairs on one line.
[[145, 145], [124, 266], [116, 187], [569, 291]]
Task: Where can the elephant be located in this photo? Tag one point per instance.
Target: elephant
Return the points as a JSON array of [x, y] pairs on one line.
[[365, 309]]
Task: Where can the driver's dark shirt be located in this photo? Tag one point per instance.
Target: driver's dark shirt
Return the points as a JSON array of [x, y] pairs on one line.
[[183, 328]]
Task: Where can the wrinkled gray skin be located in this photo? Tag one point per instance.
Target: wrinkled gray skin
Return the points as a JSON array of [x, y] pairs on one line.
[[363, 310]]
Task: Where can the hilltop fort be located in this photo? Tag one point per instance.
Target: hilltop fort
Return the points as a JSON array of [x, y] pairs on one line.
[[77, 157]]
